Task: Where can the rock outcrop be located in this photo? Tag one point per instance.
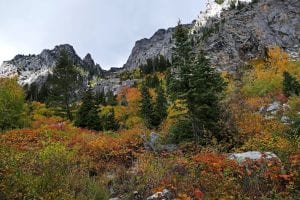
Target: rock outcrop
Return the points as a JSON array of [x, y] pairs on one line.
[[34, 68], [232, 33], [244, 33], [160, 43]]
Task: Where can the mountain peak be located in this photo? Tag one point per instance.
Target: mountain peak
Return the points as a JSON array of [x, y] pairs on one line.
[[32, 67], [214, 8]]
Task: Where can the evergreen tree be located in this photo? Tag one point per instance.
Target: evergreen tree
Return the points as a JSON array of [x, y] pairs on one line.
[[161, 105], [100, 98], [43, 93], [152, 81], [182, 55], [199, 85], [146, 107], [65, 82], [111, 99], [109, 121], [290, 85], [164, 64], [87, 115]]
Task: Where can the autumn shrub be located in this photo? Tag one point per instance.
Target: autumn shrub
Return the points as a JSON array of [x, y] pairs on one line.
[[39, 110], [145, 177], [115, 148], [266, 77], [218, 177], [12, 105], [53, 172], [128, 116]]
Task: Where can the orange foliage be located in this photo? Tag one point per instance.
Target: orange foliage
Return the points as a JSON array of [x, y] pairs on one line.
[[120, 149], [132, 94], [214, 162]]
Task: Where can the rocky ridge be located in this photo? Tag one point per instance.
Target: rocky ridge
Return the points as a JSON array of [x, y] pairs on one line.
[[245, 32], [231, 36], [34, 68], [159, 44]]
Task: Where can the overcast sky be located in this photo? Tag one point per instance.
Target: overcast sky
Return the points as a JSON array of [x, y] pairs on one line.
[[107, 29]]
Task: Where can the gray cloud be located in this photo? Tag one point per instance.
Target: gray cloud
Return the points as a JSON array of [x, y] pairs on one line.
[[107, 29]]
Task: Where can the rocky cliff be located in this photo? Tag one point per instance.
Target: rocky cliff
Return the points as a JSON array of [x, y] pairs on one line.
[[238, 34], [34, 68], [159, 43], [232, 32]]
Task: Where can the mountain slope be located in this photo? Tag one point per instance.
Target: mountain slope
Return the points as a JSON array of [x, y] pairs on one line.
[[231, 36], [159, 43], [245, 32], [34, 68]]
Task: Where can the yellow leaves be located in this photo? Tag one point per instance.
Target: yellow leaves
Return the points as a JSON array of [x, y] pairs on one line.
[[266, 76], [39, 110], [250, 124], [184, 197], [177, 109], [278, 59], [254, 103]]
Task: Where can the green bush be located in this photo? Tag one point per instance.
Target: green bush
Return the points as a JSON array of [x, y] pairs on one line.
[[51, 173], [12, 105], [262, 87], [181, 131]]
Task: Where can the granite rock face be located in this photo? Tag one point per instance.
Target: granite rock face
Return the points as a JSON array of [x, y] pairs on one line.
[[232, 36], [245, 33], [161, 43], [35, 68]]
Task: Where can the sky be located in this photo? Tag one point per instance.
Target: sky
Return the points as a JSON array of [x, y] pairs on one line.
[[108, 29]]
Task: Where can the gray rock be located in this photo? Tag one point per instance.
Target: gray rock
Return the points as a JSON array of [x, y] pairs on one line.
[[152, 144], [161, 43], [251, 155], [244, 34], [285, 120], [165, 194], [275, 106], [235, 37], [112, 84], [35, 68]]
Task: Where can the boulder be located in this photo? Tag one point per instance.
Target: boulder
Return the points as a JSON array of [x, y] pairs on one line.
[[252, 155], [152, 144], [274, 107], [165, 194]]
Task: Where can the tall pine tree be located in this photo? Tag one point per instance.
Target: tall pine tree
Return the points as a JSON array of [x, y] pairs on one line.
[[146, 107], [65, 82], [195, 82], [109, 121], [161, 105], [87, 115], [111, 98], [182, 55]]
